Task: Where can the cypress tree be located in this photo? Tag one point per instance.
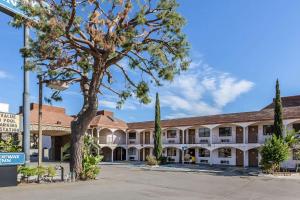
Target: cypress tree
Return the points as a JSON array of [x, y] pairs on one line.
[[278, 123], [157, 131]]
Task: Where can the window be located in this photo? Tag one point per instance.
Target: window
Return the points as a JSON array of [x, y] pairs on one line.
[[171, 134], [132, 136], [171, 152], [131, 151], [224, 153], [204, 153], [268, 130], [204, 132], [296, 154], [224, 131]]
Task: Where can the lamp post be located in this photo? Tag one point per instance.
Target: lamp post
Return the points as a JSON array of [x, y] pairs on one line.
[[26, 103], [40, 117]]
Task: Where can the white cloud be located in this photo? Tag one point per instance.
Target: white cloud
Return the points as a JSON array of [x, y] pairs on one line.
[[201, 90], [113, 105], [4, 75]]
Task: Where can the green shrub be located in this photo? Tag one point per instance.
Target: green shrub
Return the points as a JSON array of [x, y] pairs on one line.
[[10, 145], [273, 152], [41, 171], [163, 160], [51, 172], [91, 160], [27, 172], [151, 160], [90, 167]]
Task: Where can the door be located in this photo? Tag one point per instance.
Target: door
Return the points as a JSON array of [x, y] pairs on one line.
[[253, 157], [192, 136], [239, 135], [239, 158], [252, 134], [147, 137]]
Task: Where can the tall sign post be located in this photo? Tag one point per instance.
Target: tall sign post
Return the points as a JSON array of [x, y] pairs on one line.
[[10, 7]]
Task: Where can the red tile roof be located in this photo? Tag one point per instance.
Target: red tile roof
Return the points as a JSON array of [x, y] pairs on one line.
[[263, 115], [106, 119], [290, 101], [52, 116]]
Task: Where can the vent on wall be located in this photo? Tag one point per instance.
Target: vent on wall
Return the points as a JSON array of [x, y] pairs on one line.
[[225, 140], [224, 162]]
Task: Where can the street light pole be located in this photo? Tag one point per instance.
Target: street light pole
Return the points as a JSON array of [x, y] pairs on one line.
[[26, 103], [40, 151]]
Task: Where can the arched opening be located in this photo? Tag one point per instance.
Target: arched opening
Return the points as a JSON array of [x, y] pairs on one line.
[[203, 156], [119, 137], [133, 154], [144, 152], [105, 136], [173, 154], [224, 156], [119, 154], [106, 153]]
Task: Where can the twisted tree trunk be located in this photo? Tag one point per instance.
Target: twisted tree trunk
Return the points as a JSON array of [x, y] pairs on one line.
[[90, 89]]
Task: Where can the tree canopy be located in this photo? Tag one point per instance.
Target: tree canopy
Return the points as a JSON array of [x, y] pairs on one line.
[[85, 42], [100, 44]]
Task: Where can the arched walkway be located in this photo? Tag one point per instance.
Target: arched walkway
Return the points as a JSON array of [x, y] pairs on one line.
[[106, 153], [144, 152], [119, 154], [133, 153]]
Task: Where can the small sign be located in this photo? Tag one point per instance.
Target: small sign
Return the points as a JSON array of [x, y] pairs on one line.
[[9, 123], [184, 148], [7, 159]]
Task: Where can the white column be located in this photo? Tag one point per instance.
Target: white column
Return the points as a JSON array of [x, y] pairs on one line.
[[210, 157], [98, 136], [182, 156], [245, 158], [211, 135], [127, 154], [138, 156], [244, 134], [112, 137], [112, 155], [126, 138]]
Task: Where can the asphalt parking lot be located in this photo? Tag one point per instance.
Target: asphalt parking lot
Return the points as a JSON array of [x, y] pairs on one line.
[[130, 183]]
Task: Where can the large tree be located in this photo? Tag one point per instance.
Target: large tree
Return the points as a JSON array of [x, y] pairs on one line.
[[157, 131], [278, 123], [118, 46]]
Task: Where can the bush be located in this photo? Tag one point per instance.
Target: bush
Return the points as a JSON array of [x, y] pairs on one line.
[[27, 172], [273, 152], [151, 160], [90, 160], [10, 145], [90, 167], [163, 160], [51, 171]]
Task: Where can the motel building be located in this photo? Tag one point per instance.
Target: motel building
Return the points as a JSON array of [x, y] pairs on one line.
[[225, 139]]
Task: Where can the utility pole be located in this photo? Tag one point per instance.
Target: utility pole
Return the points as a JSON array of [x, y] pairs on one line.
[[40, 146], [26, 103]]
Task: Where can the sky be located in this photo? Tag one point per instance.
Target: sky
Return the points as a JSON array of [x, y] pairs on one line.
[[238, 50]]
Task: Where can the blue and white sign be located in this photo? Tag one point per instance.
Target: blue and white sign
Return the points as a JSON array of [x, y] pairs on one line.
[[7, 159]]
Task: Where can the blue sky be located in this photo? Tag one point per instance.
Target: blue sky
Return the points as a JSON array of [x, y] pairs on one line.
[[239, 48]]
